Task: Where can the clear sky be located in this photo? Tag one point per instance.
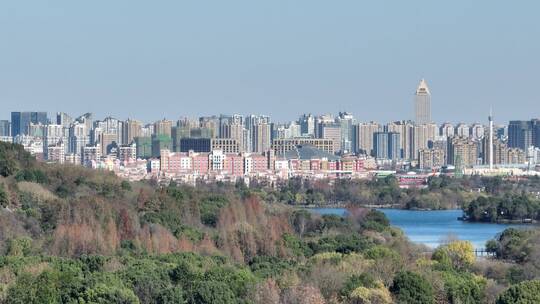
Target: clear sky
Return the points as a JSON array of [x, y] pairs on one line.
[[154, 59]]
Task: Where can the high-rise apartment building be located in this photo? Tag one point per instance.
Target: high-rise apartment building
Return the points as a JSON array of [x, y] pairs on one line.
[[422, 103], [462, 130], [132, 128], [363, 133], [163, 127], [424, 135], [78, 138], [387, 145], [447, 130], [516, 156], [431, 158], [477, 131], [259, 130], [210, 122], [405, 129], [500, 151], [462, 151]]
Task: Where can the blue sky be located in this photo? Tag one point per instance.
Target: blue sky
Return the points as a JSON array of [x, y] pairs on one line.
[[154, 59]]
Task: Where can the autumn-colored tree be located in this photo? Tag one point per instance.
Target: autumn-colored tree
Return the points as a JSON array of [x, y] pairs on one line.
[[303, 294], [266, 292], [456, 254]]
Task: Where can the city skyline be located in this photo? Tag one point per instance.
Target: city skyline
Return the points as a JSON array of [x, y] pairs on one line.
[[143, 60]]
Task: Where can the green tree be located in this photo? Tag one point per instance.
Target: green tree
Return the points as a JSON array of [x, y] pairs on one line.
[[212, 292], [20, 246], [526, 292], [412, 288], [4, 198]]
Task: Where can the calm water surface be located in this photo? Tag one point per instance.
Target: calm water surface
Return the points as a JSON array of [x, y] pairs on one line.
[[432, 227]]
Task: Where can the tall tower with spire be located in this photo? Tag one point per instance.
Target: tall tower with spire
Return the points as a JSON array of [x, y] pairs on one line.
[[422, 103], [490, 139]]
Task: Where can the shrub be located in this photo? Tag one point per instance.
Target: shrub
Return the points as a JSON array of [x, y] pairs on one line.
[[524, 292], [412, 288]]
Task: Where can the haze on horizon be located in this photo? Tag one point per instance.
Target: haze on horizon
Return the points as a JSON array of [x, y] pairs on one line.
[[150, 60]]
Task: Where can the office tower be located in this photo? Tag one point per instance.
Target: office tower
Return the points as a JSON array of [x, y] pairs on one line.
[[307, 125], [5, 128], [195, 144], [132, 128], [63, 119], [524, 133], [163, 127], [20, 121], [462, 130], [387, 145], [447, 130], [422, 103], [462, 151], [364, 136], [346, 121], [431, 158]]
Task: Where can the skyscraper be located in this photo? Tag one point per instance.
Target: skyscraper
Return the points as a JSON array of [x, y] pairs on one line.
[[523, 133], [422, 103], [20, 121], [5, 128]]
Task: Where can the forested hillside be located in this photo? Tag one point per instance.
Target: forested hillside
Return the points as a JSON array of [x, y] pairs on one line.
[[73, 235]]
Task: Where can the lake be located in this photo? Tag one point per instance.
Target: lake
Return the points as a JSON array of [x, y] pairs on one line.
[[431, 227]]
